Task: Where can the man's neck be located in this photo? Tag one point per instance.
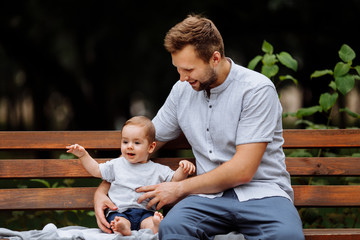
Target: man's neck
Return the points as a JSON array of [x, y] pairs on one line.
[[224, 69]]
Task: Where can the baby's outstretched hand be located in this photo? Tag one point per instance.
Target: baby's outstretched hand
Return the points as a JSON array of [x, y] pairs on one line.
[[187, 166], [77, 150]]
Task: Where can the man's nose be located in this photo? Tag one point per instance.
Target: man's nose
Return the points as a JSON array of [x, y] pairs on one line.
[[184, 77]]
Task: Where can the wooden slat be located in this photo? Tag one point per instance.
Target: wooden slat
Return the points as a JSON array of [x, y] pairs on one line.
[[294, 138], [332, 234], [72, 168], [43, 168], [323, 166], [321, 138], [47, 198], [107, 140], [59, 168], [327, 196], [82, 197]]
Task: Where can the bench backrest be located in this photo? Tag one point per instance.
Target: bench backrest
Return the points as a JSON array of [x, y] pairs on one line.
[[33, 144]]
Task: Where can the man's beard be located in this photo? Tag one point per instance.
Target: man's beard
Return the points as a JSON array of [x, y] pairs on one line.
[[211, 79]]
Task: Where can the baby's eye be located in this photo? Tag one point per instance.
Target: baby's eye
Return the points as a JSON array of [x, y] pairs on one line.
[[125, 142], [137, 142]]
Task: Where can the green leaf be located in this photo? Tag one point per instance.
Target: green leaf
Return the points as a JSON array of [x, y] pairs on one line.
[[332, 84], [270, 71], [267, 47], [341, 69], [346, 53], [254, 62], [300, 153], [288, 77], [348, 111], [67, 156], [303, 112], [345, 83], [269, 59], [288, 114], [287, 60], [328, 100], [46, 183], [91, 213], [321, 73], [310, 125], [357, 68]]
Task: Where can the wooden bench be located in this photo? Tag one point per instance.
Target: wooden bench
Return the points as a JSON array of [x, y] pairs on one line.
[[35, 143]]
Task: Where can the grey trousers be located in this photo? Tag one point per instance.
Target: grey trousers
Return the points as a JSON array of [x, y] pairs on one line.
[[203, 218]]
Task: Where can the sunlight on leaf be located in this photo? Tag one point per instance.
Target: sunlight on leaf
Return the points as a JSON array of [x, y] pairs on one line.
[[345, 83], [321, 73], [287, 60], [346, 53], [252, 64], [267, 47], [328, 100]]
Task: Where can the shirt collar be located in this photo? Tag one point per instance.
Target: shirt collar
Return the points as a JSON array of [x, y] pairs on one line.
[[227, 81]]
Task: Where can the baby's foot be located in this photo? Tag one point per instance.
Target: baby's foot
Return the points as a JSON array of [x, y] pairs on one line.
[[157, 218], [121, 226]]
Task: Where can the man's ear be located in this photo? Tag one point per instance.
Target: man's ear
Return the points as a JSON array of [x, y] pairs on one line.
[[215, 59], [152, 147]]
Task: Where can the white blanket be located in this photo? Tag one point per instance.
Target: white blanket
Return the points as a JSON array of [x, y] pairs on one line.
[[51, 232]]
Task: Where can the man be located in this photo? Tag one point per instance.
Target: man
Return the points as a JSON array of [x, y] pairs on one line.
[[231, 117]]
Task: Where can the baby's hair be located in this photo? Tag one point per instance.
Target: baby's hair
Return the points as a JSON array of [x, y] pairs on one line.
[[145, 122]]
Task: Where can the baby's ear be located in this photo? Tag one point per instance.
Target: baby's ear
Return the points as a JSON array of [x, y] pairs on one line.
[[152, 147]]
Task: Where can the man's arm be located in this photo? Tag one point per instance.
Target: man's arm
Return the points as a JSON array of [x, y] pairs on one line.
[[240, 169], [102, 202]]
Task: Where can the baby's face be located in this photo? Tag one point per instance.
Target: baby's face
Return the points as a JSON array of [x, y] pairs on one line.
[[134, 145]]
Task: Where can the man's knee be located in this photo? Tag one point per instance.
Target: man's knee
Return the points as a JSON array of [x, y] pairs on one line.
[[175, 228]]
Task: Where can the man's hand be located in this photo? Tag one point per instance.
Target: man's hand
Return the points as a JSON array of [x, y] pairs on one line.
[[161, 194], [102, 202]]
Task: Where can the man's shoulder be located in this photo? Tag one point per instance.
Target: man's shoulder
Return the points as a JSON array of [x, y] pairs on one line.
[[249, 78]]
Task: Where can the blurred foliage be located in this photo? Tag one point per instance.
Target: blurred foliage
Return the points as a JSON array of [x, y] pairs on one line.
[[89, 65]]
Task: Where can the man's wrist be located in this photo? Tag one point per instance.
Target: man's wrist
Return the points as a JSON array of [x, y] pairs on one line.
[[182, 189]]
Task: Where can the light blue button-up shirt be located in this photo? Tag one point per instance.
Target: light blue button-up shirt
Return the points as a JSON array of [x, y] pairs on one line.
[[244, 109]]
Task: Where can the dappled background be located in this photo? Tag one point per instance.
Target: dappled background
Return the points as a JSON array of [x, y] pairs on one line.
[[89, 65]]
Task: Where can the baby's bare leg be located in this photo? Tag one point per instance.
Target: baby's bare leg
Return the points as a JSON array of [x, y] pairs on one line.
[[121, 225], [152, 222]]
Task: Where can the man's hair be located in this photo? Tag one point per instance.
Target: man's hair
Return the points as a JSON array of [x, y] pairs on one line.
[[144, 122], [197, 31]]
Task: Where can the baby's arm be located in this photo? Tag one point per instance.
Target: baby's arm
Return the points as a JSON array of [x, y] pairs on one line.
[[87, 161], [185, 168]]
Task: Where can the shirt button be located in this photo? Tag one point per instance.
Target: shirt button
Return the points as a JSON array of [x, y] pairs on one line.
[[210, 106], [210, 151], [207, 129]]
